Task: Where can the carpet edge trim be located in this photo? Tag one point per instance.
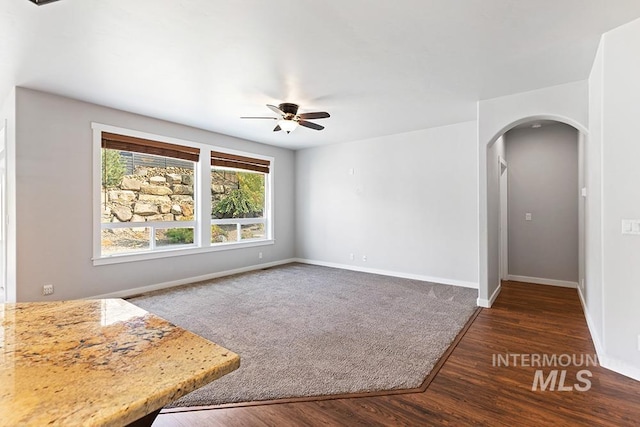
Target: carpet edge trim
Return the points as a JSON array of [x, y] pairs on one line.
[[421, 389]]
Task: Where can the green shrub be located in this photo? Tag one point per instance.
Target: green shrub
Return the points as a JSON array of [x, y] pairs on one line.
[[112, 168], [239, 203], [253, 183], [180, 235], [247, 201]]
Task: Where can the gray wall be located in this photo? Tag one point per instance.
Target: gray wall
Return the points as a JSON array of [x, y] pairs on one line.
[[543, 181], [54, 152], [410, 205]]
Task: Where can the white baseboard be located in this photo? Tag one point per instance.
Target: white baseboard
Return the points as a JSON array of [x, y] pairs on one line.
[[156, 287], [620, 367], [487, 303], [401, 275], [591, 326], [605, 361], [137, 291], [540, 281]]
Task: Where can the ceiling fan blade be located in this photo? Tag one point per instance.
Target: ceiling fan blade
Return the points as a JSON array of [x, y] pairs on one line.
[[277, 128], [310, 125], [275, 109], [316, 115], [272, 118]]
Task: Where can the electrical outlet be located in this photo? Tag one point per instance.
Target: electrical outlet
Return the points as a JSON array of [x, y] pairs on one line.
[[364, 258], [351, 257], [47, 289], [259, 255]]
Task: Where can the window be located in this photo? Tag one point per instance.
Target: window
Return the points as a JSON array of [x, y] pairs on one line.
[[163, 197], [238, 198]]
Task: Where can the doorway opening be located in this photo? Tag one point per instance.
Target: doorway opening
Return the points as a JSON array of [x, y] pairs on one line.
[[535, 205]]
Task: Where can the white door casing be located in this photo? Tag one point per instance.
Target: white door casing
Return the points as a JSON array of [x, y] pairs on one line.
[[504, 229]]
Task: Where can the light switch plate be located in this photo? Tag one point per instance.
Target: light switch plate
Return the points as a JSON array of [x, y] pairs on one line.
[[527, 217], [631, 226]]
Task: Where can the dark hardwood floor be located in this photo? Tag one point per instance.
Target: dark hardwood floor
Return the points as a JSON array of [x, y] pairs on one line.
[[469, 389]]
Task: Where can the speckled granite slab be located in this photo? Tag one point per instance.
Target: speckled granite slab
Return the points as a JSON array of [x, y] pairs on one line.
[[97, 362]]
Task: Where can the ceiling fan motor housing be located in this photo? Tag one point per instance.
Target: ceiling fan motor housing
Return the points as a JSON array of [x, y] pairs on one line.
[[288, 108]]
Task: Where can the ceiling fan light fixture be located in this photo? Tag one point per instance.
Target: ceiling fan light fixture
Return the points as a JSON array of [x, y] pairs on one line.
[[288, 125], [289, 118]]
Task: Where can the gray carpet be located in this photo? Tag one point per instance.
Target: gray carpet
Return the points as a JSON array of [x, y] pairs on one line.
[[303, 330]]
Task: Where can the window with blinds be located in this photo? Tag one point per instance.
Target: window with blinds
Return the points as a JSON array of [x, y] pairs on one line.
[[151, 191], [148, 200], [238, 198]]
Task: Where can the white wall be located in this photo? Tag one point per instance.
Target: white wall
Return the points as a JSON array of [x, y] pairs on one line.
[[494, 152], [581, 211], [543, 181], [410, 206], [566, 103], [592, 294], [8, 119], [609, 100], [621, 196], [54, 154]]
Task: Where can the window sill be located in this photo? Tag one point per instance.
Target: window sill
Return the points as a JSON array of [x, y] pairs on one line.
[[168, 253]]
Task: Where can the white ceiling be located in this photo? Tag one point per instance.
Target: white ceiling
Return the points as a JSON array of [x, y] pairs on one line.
[[379, 67]]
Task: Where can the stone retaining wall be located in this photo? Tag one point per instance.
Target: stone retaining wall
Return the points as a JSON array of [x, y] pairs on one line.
[[159, 194]]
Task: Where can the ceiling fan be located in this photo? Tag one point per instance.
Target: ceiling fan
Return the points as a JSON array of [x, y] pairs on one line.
[[290, 119]]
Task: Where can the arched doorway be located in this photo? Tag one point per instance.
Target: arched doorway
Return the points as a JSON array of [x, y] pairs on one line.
[[490, 237]]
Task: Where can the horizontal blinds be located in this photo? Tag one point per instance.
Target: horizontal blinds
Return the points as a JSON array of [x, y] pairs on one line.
[[114, 141], [239, 162]]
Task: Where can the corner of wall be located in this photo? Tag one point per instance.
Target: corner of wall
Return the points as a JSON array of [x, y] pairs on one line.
[[8, 122], [488, 302], [591, 325]]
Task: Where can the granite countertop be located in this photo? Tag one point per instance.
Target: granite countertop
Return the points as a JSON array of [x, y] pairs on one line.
[[97, 362]]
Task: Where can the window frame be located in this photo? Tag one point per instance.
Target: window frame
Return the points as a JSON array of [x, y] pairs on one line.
[[202, 203]]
